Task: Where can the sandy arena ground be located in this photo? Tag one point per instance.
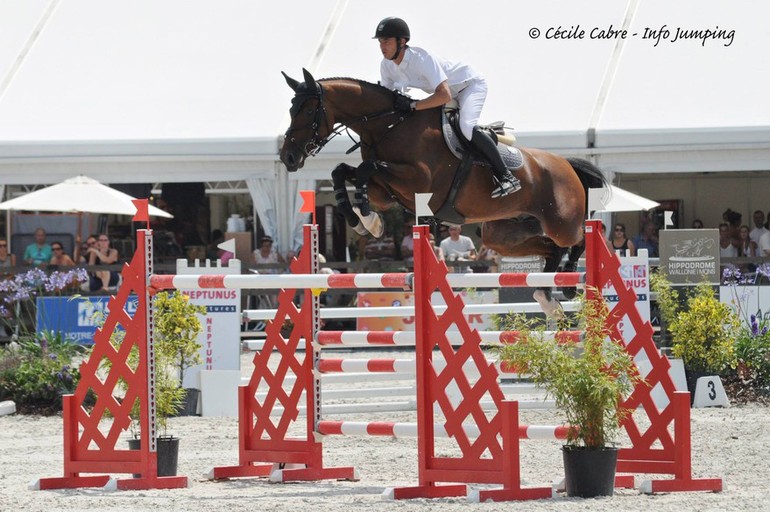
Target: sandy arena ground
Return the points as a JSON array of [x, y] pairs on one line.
[[732, 443]]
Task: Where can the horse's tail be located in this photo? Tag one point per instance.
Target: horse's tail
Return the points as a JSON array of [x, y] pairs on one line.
[[590, 175]]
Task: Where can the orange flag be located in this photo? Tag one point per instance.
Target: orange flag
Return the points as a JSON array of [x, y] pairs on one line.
[[142, 207], [308, 202]]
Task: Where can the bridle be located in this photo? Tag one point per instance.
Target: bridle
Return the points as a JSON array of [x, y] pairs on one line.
[[314, 145], [320, 117]]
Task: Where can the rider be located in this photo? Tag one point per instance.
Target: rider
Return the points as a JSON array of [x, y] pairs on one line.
[[405, 66]]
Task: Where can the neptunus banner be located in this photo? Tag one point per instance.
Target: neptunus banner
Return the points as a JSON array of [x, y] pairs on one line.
[[690, 256]]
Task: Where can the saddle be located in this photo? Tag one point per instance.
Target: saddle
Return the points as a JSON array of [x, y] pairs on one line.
[[462, 149]]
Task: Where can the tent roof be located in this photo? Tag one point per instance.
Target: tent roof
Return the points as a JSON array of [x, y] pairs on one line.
[[94, 83]]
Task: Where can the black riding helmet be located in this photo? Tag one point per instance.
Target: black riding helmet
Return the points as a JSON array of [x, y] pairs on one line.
[[392, 27]]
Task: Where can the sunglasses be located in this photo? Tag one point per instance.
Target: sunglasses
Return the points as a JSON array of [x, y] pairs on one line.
[[57, 248], [3, 245], [619, 229]]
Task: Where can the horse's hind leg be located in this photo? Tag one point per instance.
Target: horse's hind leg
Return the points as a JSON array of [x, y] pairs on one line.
[[571, 265], [524, 238]]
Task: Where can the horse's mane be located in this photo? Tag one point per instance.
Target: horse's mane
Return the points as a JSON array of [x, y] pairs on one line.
[[362, 83]]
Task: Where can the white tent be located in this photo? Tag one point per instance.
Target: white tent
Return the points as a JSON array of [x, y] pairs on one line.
[[190, 90]]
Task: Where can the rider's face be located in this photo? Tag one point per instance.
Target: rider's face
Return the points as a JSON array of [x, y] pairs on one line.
[[388, 46]]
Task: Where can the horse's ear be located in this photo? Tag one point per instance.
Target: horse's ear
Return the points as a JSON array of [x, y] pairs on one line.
[[308, 77], [289, 80]]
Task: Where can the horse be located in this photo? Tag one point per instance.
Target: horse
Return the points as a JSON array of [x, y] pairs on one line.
[[405, 153]]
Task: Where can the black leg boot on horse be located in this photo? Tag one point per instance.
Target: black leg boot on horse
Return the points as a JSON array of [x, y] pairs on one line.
[[484, 143]]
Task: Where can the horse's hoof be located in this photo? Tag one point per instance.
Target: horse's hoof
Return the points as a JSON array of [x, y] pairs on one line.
[[360, 229], [569, 293], [552, 308], [372, 222]]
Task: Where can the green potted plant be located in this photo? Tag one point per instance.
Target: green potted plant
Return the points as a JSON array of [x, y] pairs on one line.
[[176, 349], [588, 381], [177, 327], [703, 330]]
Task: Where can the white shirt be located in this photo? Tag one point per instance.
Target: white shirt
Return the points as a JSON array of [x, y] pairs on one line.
[[728, 252], [756, 233], [421, 70], [764, 244], [460, 249]]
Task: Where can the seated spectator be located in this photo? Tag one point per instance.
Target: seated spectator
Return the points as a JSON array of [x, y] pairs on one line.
[[458, 247], [265, 254], [81, 255], [407, 246], [7, 259], [733, 220], [436, 249], [487, 255], [648, 239], [60, 258], [764, 245], [620, 242], [697, 224], [747, 248], [102, 255], [39, 252]]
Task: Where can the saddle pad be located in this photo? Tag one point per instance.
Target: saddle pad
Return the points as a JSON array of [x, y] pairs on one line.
[[511, 156]]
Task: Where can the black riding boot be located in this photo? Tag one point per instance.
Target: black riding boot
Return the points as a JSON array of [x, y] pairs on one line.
[[487, 147]]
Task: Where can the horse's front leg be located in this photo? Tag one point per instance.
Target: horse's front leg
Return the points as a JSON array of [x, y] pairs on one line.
[[341, 174], [371, 220]]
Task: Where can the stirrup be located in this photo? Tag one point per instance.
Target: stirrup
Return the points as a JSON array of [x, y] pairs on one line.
[[506, 187]]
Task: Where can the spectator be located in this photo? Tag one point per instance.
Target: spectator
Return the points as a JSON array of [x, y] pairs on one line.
[[100, 255], [436, 249], [82, 254], [764, 245], [214, 252], [759, 226], [726, 247], [407, 246], [458, 246], [620, 242], [647, 239], [487, 255], [733, 220], [265, 255], [697, 224], [747, 248], [7, 259], [60, 258], [39, 252]]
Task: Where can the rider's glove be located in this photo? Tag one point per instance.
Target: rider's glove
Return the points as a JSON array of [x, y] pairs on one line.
[[403, 103]]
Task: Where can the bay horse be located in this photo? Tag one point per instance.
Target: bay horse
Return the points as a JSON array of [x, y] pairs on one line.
[[404, 154]]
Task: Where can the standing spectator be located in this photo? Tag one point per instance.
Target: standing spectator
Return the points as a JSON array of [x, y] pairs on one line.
[[747, 248], [726, 247], [697, 224], [759, 226], [39, 252], [733, 220], [100, 255], [6, 260], [647, 239], [458, 246], [764, 245], [60, 258], [621, 243]]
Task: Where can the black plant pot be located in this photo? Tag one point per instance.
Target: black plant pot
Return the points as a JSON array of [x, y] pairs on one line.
[[190, 403], [589, 472], [692, 376], [168, 454]]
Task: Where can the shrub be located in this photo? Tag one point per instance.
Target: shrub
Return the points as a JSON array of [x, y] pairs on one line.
[[704, 333]]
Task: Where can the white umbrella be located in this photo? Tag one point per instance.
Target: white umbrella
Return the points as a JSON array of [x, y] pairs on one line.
[[79, 195]]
